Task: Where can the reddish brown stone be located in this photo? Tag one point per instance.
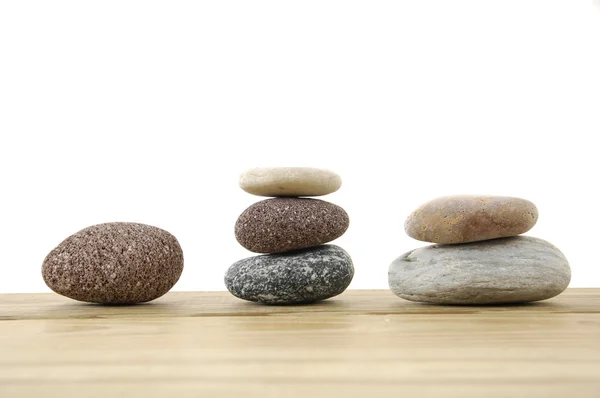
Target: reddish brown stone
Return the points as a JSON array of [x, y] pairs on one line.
[[114, 263], [284, 224]]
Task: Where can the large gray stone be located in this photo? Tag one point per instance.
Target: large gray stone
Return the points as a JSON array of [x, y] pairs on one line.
[[303, 276], [509, 270]]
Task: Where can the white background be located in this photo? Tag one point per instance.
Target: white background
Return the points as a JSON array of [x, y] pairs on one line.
[[147, 111]]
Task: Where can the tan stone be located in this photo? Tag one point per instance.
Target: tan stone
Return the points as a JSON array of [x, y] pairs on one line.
[[470, 218], [289, 181]]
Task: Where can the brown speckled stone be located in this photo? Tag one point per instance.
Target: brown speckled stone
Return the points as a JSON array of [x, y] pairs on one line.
[[114, 263], [470, 218], [284, 224]]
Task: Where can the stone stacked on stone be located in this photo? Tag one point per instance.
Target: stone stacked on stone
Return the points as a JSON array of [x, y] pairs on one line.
[[114, 263], [292, 230], [478, 257]]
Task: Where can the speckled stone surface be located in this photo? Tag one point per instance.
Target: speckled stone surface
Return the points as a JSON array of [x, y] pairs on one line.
[[283, 224], [289, 181], [114, 263], [303, 276], [508, 270], [470, 218]]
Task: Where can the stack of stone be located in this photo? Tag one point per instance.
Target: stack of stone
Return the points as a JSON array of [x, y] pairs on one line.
[[293, 230], [478, 259]]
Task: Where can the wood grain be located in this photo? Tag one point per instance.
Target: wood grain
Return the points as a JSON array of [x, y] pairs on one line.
[[360, 344]]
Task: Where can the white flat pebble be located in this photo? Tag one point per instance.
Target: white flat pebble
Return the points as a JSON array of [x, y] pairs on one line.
[[289, 181]]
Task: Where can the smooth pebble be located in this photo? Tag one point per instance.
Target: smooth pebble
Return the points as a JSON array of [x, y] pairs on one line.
[[470, 218], [290, 181]]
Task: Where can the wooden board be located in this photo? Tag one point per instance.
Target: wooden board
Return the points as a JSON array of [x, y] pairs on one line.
[[360, 344]]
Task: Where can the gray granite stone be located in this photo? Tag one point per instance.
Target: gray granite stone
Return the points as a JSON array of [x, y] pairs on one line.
[[302, 276], [508, 270], [114, 263]]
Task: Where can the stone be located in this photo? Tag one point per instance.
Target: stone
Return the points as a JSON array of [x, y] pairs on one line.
[[298, 277], [470, 218], [114, 263], [284, 224], [508, 270], [289, 181]]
